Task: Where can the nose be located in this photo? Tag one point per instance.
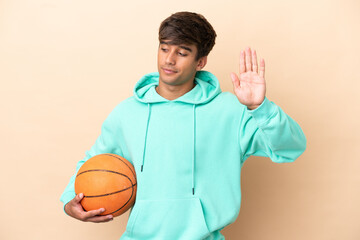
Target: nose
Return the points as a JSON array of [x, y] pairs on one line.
[[170, 58]]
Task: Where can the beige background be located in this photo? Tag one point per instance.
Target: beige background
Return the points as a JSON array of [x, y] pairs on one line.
[[64, 65]]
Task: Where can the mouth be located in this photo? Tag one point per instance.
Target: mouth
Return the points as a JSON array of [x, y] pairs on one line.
[[169, 70]]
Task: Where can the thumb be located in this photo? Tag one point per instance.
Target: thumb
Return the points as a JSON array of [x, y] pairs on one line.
[[235, 80], [79, 197]]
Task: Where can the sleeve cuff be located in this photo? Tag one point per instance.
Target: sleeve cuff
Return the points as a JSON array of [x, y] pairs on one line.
[[263, 112]]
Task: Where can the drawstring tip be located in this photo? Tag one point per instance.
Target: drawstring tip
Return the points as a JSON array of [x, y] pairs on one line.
[[193, 191], [142, 167]]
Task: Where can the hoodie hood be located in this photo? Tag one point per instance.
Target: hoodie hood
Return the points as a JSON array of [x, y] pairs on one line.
[[207, 87]]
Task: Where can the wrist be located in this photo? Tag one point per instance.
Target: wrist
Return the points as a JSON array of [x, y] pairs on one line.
[[67, 209]]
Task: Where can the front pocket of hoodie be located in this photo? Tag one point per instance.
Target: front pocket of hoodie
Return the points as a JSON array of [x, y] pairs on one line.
[[165, 219]]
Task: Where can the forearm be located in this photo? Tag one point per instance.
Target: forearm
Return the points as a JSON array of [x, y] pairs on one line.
[[272, 133]]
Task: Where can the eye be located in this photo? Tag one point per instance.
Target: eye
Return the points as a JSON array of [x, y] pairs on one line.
[[182, 54], [164, 49]]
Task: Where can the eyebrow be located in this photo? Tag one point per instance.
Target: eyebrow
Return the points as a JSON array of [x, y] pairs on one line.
[[180, 46]]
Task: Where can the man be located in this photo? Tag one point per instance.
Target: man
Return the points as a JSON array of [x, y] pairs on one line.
[[188, 140]]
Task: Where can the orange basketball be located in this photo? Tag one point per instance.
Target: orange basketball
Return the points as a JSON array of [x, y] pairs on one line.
[[107, 181]]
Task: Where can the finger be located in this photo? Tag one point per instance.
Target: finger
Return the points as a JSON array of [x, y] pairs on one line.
[[262, 68], [93, 213], [242, 62], [235, 80], [98, 219], [254, 61], [248, 59]]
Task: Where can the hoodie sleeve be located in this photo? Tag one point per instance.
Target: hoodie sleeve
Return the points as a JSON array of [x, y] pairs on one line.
[[107, 142], [267, 131]]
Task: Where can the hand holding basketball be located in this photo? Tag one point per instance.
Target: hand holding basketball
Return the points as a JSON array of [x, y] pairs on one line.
[[106, 188], [75, 210], [106, 181]]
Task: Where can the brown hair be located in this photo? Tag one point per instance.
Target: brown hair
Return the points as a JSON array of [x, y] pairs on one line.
[[188, 28]]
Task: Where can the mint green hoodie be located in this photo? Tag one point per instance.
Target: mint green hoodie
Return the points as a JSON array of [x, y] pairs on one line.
[[188, 155]]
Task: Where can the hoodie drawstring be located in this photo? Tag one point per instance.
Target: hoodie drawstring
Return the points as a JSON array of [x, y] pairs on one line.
[[146, 132], [193, 157], [194, 141]]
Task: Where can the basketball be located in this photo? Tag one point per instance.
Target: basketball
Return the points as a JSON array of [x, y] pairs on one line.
[[107, 181]]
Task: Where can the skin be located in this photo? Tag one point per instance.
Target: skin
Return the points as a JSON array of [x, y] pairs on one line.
[[177, 66], [249, 86]]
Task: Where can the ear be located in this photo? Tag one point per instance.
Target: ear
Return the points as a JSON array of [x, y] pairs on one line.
[[201, 63]]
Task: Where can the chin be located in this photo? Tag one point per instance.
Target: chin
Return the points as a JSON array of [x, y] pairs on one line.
[[169, 82], [168, 79]]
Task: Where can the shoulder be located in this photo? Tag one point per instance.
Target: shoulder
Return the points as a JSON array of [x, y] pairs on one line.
[[129, 108], [224, 105], [227, 96], [229, 100]]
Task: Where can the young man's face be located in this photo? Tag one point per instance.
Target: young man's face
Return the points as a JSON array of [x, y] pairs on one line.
[[177, 64]]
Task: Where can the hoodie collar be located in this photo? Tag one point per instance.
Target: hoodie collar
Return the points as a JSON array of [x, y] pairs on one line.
[[207, 87]]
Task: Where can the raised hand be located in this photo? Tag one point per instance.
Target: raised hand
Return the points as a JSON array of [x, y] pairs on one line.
[[250, 86]]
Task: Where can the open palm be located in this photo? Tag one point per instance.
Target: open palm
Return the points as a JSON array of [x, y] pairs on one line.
[[250, 86]]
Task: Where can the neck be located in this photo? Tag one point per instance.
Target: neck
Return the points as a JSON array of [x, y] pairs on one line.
[[171, 92]]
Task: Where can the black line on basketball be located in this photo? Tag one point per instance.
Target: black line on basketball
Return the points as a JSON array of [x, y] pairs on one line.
[[109, 154], [132, 193], [104, 170], [107, 194], [101, 170]]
